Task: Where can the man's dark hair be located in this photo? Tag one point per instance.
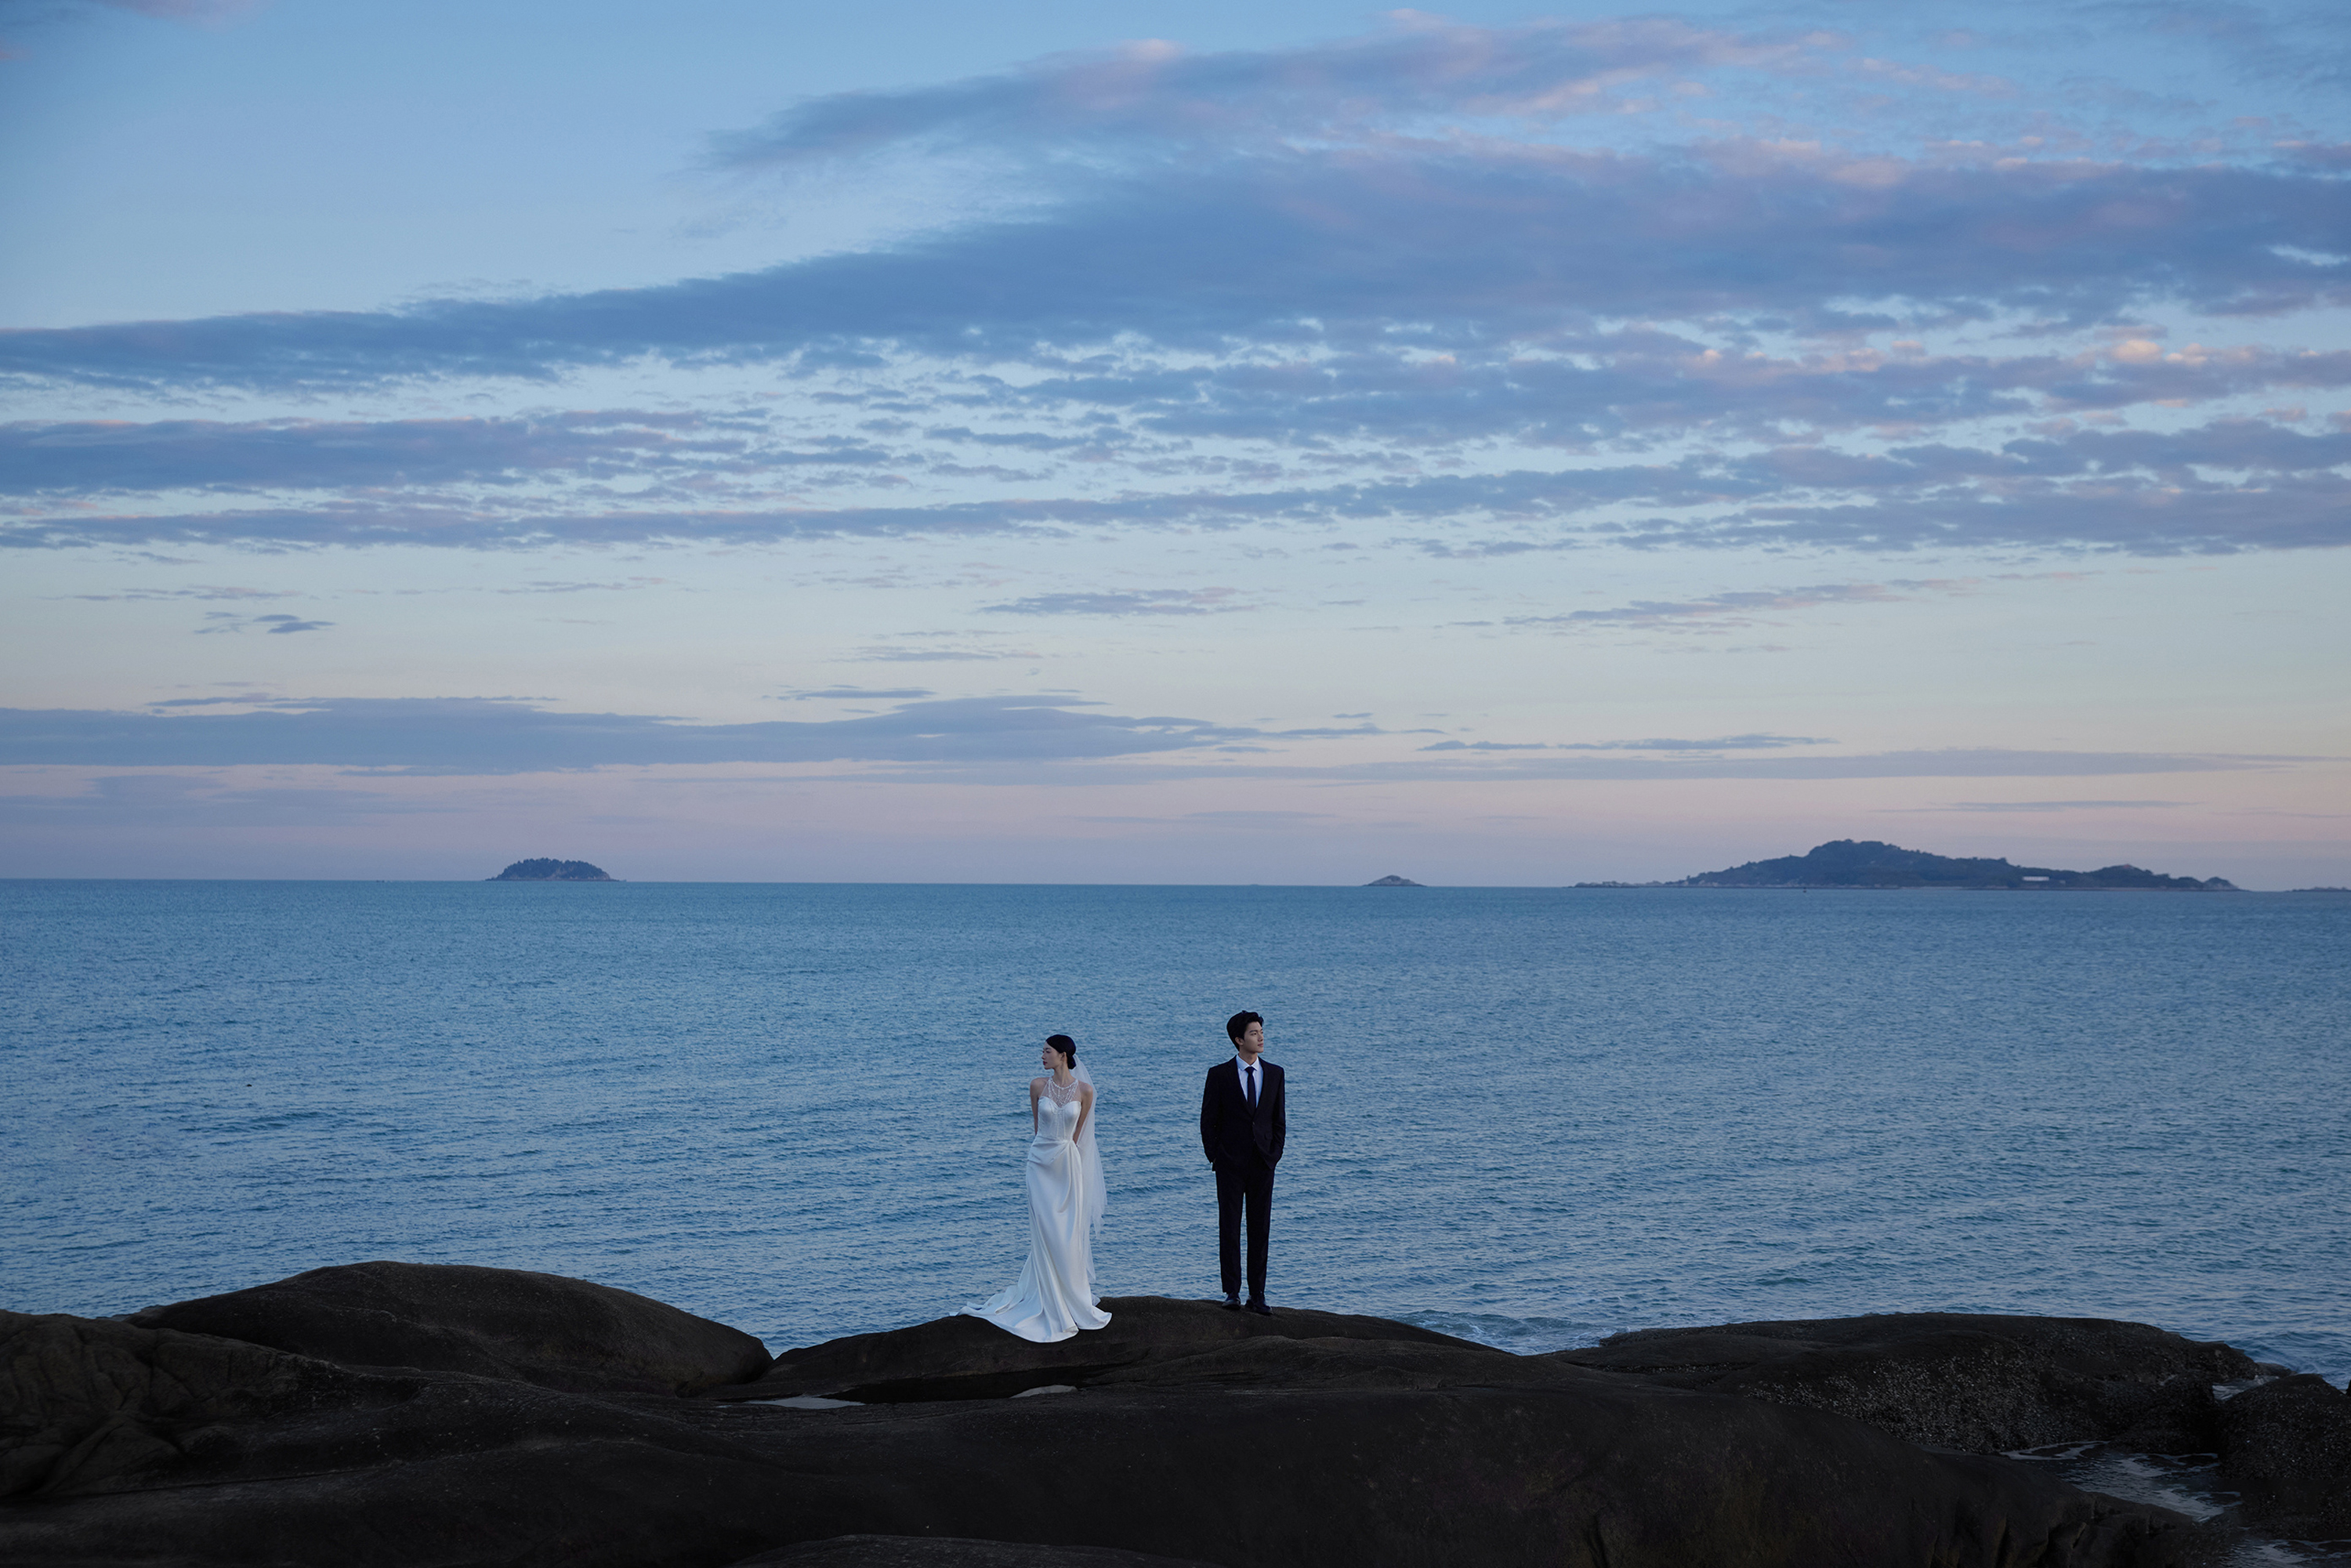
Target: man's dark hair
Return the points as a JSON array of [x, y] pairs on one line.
[[1238, 1026]]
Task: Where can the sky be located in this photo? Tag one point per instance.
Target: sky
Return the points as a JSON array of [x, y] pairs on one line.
[[1140, 443]]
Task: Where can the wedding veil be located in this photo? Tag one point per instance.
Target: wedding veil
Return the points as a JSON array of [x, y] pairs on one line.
[[1094, 1197]]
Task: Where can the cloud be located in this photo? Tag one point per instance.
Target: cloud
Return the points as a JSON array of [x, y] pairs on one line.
[[1723, 743], [2050, 806], [194, 590], [1404, 282], [857, 693], [1256, 819], [940, 647], [490, 734], [1579, 389], [193, 12], [1740, 607], [1153, 94], [627, 585], [999, 740], [2303, 48], [933, 656], [119, 457], [1574, 392], [249, 696], [174, 801], [1213, 205], [1462, 767], [2228, 484], [199, 11], [276, 626], [1870, 503], [1141, 602]]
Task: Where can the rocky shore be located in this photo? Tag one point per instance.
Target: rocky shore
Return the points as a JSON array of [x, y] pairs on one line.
[[408, 1413]]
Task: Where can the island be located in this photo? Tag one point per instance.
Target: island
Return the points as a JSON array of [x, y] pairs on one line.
[[1869, 864], [1395, 882], [552, 870]]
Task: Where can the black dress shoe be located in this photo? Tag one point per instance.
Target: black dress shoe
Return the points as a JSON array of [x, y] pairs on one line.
[[1260, 1308], [1232, 1303]]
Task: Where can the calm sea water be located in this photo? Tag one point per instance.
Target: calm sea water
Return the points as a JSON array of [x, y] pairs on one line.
[[1532, 1117]]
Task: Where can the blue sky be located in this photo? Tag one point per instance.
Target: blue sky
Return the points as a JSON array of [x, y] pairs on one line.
[[1134, 443]]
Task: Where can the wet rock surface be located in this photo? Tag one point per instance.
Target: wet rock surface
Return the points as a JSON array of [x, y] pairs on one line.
[[1363, 1442], [2286, 1447], [1981, 1382], [494, 1323]]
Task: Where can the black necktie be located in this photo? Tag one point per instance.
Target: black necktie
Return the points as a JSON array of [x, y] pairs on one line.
[[1252, 1088]]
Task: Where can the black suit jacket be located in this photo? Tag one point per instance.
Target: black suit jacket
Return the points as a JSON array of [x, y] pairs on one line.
[[1230, 1133]]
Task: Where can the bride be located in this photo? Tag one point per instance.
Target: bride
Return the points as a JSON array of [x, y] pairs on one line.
[[1054, 1296]]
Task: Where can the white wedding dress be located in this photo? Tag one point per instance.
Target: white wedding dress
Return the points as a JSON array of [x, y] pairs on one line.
[[1054, 1296]]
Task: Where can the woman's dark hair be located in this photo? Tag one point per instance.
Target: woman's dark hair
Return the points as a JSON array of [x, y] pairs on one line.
[[1065, 1045], [1238, 1026]]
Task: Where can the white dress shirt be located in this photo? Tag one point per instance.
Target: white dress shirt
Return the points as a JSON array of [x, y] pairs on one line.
[[1249, 1098]]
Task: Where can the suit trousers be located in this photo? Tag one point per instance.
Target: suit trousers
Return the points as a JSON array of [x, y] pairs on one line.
[[1244, 1187]]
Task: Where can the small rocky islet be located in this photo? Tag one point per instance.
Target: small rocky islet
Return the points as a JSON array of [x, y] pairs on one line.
[[553, 871], [406, 1414]]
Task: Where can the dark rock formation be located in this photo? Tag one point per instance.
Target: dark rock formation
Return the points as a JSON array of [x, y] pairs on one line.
[[551, 870], [494, 1323], [364, 1468], [84, 1403], [1613, 1473], [1395, 882], [2286, 1447], [166, 1448], [922, 1552], [1362, 1442], [1958, 1380], [1843, 862]]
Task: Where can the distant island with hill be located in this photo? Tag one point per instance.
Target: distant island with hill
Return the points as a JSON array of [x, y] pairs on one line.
[[552, 870], [1868, 863], [1395, 882]]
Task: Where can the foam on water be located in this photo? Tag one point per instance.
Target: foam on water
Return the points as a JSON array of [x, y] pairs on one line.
[[2186, 1483]]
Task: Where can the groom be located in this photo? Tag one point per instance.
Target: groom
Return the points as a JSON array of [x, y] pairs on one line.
[[1241, 1129]]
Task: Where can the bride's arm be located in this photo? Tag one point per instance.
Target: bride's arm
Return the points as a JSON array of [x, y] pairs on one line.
[[1035, 1086], [1085, 1110]]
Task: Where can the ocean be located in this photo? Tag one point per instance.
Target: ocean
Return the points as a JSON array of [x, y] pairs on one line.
[[1530, 1117]]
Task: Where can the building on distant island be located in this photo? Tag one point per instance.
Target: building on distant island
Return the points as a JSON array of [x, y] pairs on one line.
[[552, 870], [1395, 882]]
